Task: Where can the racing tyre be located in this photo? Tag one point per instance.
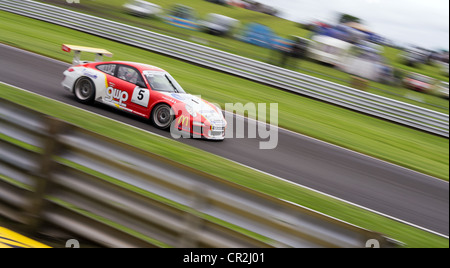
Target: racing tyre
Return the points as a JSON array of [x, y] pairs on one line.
[[162, 116], [84, 90]]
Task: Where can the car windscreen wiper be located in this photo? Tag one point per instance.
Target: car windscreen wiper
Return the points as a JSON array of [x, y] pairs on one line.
[[176, 90]]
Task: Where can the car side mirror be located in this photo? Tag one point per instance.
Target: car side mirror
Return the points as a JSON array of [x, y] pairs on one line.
[[141, 84]]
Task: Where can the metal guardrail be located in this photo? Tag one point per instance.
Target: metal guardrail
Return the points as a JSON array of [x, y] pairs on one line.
[[121, 196], [371, 104]]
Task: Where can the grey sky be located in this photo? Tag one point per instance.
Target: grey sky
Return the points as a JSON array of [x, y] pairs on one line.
[[419, 22]]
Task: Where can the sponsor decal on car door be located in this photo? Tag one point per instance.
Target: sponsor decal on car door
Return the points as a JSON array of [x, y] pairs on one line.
[[116, 96], [125, 94]]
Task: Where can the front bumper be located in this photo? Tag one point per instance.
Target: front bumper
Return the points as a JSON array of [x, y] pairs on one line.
[[214, 131]]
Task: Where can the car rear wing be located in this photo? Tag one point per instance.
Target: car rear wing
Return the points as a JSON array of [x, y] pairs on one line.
[[99, 53]]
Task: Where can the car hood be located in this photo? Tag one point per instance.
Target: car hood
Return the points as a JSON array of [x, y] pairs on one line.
[[199, 106]]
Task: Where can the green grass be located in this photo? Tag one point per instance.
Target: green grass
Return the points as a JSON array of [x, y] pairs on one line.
[[225, 169], [407, 147], [113, 10], [432, 70]]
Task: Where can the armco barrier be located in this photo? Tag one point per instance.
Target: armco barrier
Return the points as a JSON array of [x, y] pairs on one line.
[[374, 105], [121, 196]]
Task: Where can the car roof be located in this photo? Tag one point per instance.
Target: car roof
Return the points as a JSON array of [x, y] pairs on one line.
[[140, 66]]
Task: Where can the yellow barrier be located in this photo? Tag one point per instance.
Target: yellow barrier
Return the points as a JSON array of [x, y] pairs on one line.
[[10, 239]]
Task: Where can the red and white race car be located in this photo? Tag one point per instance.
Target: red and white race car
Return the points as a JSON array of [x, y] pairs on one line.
[[144, 90], [418, 82]]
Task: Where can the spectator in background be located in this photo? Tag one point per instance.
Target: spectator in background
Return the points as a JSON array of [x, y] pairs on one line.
[[296, 51]]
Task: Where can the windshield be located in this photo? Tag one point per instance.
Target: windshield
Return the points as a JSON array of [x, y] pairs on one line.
[[162, 81]]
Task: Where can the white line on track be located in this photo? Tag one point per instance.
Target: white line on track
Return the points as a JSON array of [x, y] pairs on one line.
[[339, 147], [263, 172]]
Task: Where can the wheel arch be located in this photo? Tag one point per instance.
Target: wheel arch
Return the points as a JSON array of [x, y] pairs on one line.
[[160, 102], [92, 82], [156, 105]]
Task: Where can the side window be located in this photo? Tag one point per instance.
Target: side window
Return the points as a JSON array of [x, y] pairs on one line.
[[107, 68], [128, 74]]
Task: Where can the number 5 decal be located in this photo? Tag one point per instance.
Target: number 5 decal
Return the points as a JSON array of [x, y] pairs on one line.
[[141, 96]]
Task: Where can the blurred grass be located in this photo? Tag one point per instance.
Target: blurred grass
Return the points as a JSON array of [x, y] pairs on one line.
[[225, 169], [112, 9], [431, 70], [391, 142]]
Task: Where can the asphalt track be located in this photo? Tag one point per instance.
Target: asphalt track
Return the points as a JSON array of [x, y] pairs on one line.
[[394, 191]]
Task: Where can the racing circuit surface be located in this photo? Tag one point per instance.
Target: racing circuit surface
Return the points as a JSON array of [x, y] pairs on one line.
[[397, 192]]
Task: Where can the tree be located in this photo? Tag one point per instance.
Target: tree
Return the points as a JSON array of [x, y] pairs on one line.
[[344, 18]]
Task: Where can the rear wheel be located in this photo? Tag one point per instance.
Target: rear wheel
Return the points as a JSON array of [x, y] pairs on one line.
[[162, 116], [84, 90]]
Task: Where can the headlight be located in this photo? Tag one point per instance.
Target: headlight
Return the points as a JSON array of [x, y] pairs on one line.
[[218, 125]]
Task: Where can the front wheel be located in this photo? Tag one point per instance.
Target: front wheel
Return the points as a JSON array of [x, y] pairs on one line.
[[162, 116], [84, 90]]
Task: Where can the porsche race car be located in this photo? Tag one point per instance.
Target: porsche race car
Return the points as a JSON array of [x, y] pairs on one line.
[[144, 90]]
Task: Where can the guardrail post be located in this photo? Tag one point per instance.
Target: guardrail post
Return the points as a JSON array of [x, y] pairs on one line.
[[44, 174], [193, 223]]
